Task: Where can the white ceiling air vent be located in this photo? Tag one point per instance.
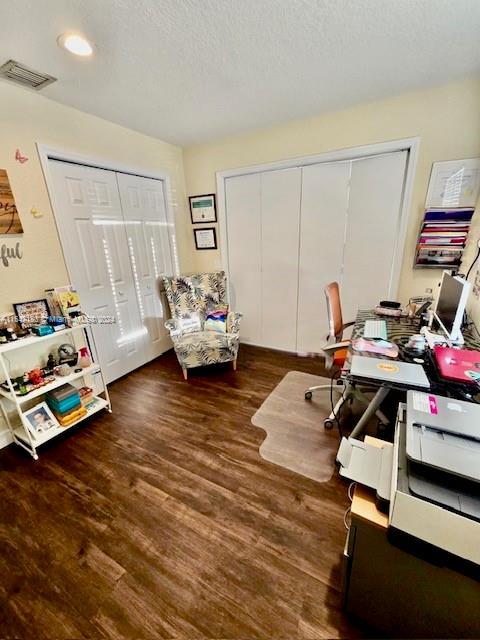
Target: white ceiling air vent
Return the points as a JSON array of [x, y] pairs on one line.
[[25, 76]]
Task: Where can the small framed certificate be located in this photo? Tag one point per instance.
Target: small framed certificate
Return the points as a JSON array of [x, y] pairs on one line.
[[203, 209], [205, 238], [454, 183]]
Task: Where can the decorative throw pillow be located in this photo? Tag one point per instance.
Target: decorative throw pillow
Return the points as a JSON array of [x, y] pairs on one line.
[[216, 319], [190, 323]]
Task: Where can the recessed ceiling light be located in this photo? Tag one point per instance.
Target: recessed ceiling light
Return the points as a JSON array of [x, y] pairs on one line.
[[76, 44]]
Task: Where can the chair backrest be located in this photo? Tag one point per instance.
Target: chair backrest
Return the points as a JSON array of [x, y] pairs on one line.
[[334, 311], [196, 292]]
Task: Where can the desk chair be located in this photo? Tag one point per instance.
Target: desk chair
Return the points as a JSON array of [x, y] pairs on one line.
[[336, 351]]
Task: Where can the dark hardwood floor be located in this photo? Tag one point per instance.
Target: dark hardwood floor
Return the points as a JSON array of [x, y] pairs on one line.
[[163, 521]]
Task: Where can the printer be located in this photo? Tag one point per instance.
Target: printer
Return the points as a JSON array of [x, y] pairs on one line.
[[429, 483]]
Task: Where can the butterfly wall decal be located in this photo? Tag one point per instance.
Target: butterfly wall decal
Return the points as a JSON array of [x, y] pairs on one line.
[[19, 157]]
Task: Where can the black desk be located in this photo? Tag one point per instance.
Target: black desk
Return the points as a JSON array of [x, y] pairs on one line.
[[399, 331]]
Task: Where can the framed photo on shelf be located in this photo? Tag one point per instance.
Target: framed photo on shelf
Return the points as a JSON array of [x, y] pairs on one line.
[[31, 313], [205, 238], [39, 419], [203, 208]]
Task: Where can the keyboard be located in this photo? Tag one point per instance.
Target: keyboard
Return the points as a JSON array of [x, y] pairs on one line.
[[375, 329]]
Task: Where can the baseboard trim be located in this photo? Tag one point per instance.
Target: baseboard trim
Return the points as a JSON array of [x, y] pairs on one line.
[[5, 438]]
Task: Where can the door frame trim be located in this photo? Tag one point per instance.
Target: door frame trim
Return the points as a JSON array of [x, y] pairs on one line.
[[411, 145], [46, 153]]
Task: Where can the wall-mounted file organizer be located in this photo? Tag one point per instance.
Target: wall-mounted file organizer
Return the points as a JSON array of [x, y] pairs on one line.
[[442, 238]]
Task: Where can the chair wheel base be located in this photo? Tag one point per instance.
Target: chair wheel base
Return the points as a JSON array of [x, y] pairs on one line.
[[328, 424], [308, 395]]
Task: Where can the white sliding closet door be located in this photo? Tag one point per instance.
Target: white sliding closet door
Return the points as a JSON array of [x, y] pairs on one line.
[[147, 231], [373, 225], [244, 224], [93, 237], [280, 205], [290, 232], [322, 238]]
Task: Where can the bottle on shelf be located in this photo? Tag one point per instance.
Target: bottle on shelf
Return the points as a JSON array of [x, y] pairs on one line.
[[84, 360]]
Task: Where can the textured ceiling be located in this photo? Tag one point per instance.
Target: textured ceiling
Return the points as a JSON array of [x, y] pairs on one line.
[[192, 70]]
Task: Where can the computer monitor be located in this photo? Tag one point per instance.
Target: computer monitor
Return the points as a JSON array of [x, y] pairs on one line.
[[451, 304]]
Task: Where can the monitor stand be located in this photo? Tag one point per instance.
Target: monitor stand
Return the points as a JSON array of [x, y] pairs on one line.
[[441, 337], [434, 339], [459, 341]]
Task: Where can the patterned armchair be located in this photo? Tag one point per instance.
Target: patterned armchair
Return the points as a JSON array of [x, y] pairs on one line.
[[191, 295]]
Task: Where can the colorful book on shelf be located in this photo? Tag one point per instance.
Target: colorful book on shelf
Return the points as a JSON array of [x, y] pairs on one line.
[[70, 418], [427, 237], [449, 214], [64, 407], [439, 259], [441, 247], [65, 391], [444, 238], [447, 224], [439, 253], [443, 234], [447, 241]]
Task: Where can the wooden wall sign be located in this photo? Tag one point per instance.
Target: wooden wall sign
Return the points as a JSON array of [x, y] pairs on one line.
[[9, 218]]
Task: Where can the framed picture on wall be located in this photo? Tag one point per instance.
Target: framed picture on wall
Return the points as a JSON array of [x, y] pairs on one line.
[[454, 183], [205, 238], [203, 208], [9, 218]]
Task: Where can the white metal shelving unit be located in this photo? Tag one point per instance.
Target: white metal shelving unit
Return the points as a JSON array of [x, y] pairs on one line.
[[8, 399]]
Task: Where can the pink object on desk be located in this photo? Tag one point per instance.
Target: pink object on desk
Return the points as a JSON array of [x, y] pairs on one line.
[[458, 365], [373, 346]]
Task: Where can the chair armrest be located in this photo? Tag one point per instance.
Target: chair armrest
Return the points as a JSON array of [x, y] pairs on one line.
[[329, 351], [233, 322], [173, 328], [349, 324], [331, 348]]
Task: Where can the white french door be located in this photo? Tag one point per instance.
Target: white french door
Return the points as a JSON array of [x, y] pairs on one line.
[[116, 246], [147, 231]]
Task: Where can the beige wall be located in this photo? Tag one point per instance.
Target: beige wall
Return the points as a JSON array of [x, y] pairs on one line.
[[447, 120], [27, 118]]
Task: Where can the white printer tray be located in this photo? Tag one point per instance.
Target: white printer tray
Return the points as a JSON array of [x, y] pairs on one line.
[[368, 465]]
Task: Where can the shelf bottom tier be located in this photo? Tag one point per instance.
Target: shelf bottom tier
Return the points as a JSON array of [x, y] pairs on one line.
[[96, 405]]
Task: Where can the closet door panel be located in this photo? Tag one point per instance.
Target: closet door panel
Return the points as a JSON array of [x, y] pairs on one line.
[[280, 205], [96, 252], [322, 237], [147, 231], [376, 191], [243, 219]]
